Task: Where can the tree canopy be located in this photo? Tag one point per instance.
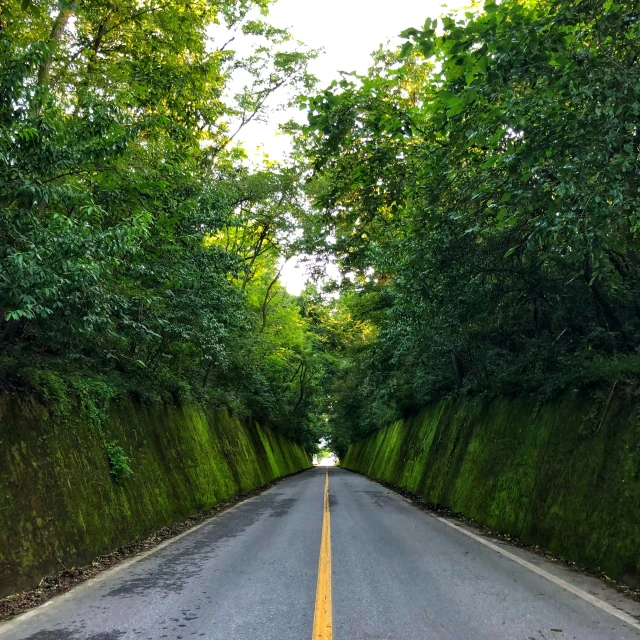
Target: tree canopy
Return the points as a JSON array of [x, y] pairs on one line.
[[478, 190], [135, 244]]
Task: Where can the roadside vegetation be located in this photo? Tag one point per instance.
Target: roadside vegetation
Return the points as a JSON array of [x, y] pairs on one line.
[[479, 188], [138, 252], [478, 191]]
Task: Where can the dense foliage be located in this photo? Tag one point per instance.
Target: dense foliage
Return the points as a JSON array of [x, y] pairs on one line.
[[136, 248], [480, 190]]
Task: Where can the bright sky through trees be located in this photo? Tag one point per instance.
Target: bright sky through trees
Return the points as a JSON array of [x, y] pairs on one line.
[[348, 31]]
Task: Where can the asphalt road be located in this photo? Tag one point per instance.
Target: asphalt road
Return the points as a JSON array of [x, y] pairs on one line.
[[396, 573]]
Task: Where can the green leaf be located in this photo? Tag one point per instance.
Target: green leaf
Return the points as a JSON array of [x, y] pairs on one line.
[[405, 51]]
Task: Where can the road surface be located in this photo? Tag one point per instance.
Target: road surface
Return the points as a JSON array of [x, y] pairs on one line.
[[387, 571]]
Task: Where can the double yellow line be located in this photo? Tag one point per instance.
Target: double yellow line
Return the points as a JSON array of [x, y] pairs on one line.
[[323, 616]]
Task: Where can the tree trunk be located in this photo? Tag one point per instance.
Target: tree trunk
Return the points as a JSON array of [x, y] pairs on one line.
[[610, 317], [206, 375], [267, 300], [59, 25], [458, 367]]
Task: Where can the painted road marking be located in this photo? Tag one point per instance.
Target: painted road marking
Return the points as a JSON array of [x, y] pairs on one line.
[[323, 616], [596, 602]]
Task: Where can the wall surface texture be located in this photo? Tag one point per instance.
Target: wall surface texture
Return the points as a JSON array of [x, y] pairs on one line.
[[60, 506], [563, 475]]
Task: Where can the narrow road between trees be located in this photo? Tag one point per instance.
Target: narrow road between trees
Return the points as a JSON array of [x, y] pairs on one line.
[[334, 546]]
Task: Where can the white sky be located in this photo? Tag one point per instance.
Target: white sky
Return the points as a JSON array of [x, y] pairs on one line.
[[349, 31]]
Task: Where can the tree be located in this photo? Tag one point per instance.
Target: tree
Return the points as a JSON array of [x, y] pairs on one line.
[[118, 179], [482, 185]]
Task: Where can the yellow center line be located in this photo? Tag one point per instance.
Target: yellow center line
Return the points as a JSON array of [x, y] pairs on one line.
[[323, 617]]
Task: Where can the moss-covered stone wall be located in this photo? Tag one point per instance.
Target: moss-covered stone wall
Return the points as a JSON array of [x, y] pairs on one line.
[[60, 506], [565, 475]]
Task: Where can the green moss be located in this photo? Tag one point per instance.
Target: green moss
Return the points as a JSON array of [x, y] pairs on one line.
[[59, 504], [565, 475]]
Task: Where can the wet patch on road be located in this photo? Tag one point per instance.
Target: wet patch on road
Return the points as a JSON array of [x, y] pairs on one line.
[[171, 569], [282, 507], [380, 498], [68, 634]]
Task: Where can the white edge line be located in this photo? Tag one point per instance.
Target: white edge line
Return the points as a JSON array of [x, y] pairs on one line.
[[596, 602], [10, 625]]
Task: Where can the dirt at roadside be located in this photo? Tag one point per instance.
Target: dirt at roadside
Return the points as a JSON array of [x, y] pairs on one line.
[[54, 585], [445, 512]]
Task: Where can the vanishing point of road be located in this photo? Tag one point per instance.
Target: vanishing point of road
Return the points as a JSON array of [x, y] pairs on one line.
[[329, 554]]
